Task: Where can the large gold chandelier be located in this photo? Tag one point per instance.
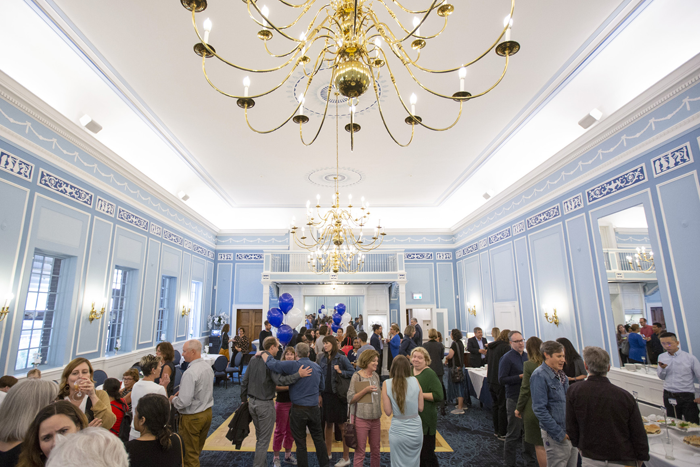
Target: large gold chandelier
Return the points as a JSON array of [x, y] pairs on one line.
[[331, 238], [348, 36]]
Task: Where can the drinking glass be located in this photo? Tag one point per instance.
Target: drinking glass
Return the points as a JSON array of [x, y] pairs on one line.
[[668, 448], [77, 388]]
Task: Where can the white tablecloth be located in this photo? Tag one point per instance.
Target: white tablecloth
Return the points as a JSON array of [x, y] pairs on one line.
[[210, 358], [686, 456], [477, 376]]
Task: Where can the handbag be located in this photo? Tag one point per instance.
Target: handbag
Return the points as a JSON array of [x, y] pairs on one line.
[[625, 347], [350, 430], [456, 372], [342, 386]]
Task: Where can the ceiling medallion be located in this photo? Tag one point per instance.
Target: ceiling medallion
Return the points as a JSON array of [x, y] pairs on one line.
[[346, 36], [326, 177]]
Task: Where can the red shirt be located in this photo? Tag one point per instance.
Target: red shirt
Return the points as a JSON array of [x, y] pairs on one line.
[[118, 408], [646, 331]]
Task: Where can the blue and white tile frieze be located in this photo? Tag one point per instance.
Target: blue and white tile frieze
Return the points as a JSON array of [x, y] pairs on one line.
[[249, 257], [156, 230], [483, 243], [210, 254], [543, 217], [225, 256], [105, 207], [418, 256], [671, 160], [131, 218], [16, 166], [467, 250], [65, 188], [518, 228], [617, 184], [200, 249], [443, 255], [573, 204], [500, 236], [171, 237], [188, 244]]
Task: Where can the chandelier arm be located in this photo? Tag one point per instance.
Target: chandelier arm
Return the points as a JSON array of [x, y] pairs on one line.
[[411, 32], [323, 119], [414, 12], [279, 29]]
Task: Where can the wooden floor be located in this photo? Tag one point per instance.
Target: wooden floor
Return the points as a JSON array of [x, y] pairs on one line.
[[218, 442]]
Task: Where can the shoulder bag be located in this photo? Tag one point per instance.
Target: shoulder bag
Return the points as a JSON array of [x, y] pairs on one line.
[[350, 434], [456, 372]]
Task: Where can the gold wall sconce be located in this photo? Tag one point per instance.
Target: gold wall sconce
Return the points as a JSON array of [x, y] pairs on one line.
[[554, 319], [471, 309], [6, 307], [95, 314], [185, 311]]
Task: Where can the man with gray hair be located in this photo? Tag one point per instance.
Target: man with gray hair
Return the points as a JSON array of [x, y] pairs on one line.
[[548, 386], [92, 446], [194, 401], [602, 419]]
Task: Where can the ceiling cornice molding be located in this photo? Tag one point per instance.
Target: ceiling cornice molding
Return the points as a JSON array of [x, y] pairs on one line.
[[664, 90], [60, 22], [21, 98]]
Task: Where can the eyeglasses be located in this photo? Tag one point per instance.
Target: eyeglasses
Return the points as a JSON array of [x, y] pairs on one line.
[[518, 342]]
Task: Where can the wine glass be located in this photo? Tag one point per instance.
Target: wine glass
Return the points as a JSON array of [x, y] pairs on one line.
[[78, 393]]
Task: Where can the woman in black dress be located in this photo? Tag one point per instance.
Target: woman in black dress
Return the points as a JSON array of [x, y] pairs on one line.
[[223, 350], [157, 445], [166, 354]]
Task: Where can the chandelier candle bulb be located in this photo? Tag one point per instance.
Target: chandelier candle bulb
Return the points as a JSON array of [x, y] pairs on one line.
[[416, 22], [462, 75], [508, 21], [377, 46], [207, 29], [246, 85], [301, 107], [413, 101], [265, 13]]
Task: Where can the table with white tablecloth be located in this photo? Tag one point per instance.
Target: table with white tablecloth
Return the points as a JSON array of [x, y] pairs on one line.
[[685, 456], [478, 386]]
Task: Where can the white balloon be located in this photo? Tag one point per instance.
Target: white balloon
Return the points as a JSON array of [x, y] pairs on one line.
[[294, 317], [346, 319]]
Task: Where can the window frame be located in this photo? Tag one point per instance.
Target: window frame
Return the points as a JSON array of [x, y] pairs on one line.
[[123, 310]]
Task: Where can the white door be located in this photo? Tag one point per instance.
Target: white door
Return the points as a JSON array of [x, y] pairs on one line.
[[440, 323], [507, 315]]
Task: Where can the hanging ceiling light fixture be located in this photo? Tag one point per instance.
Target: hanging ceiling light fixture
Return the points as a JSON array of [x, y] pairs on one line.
[[351, 35], [331, 238]]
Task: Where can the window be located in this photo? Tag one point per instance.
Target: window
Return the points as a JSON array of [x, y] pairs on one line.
[[165, 311], [117, 310], [39, 311], [196, 311]]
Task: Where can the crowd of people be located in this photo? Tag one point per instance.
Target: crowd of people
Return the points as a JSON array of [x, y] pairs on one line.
[[552, 404]]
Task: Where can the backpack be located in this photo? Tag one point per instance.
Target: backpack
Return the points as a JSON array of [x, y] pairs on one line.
[[125, 427]]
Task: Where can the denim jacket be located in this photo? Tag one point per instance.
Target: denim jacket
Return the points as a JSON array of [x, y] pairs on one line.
[[341, 360], [549, 401]]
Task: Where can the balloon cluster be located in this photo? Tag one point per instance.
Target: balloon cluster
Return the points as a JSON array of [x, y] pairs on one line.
[[340, 318], [285, 318]]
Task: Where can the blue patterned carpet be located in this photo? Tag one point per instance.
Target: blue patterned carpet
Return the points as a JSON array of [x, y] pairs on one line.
[[469, 435]]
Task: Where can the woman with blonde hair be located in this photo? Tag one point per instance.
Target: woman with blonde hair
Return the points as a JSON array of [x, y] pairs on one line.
[[436, 350], [20, 406], [78, 387], [523, 410], [402, 397], [367, 414], [431, 388]]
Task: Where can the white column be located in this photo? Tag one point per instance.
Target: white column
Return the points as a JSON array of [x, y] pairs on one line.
[[266, 298], [402, 305]]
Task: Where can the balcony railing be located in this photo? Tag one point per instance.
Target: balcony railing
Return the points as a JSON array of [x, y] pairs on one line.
[[616, 261], [298, 262]]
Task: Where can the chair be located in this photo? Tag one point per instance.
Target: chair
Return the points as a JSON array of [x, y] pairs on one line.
[[177, 357], [99, 376], [234, 366], [219, 368], [176, 381]]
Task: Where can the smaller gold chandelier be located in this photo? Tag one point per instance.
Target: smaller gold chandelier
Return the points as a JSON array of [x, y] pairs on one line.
[[643, 261]]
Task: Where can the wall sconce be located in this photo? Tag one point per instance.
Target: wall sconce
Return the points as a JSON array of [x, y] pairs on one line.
[[554, 319], [94, 314], [186, 311], [6, 307], [471, 309]]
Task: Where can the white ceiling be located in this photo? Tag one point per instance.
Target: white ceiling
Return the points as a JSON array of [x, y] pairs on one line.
[[160, 115]]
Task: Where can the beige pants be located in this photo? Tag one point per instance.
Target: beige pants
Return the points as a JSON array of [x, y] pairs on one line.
[[193, 431]]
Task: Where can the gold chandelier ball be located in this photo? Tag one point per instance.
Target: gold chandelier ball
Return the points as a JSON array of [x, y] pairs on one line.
[[352, 78]]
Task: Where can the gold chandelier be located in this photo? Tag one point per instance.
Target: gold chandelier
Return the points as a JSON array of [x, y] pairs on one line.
[[643, 261], [331, 237], [351, 36]]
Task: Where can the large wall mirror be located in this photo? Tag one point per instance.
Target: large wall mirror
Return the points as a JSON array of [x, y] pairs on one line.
[[633, 285], [353, 304]]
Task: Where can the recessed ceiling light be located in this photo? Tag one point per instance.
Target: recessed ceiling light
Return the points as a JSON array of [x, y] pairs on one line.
[[182, 195], [90, 124], [592, 117], [488, 194]]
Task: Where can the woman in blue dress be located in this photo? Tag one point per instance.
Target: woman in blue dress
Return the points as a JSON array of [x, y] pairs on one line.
[[638, 346], [402, 396]]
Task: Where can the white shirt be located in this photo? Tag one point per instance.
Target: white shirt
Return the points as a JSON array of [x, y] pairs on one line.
[[2, 396], [681, 372], [140, 389], [196, 392]]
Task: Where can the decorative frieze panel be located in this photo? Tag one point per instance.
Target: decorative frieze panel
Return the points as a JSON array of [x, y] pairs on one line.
[[518, 228], [16, 166], [132, 219], [156, 230], [105, 207], [443, 255], [483, 243], [210, 254], [617, 184], [64, 188], [418, 256], [543, 217], [500, 236], [225, 256], [188, 244], [469, 249], [174, 238], [199, 249], [249, 256], [671, 160], [573, 204]]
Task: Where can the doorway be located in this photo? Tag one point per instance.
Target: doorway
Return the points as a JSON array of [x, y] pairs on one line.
[[250, 321]]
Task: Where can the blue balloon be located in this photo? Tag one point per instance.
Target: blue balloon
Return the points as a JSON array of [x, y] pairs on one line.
[[320, 311], [284, 334], [286, 302], [275, 317], [337, 318], [335, 327], [323, 307], [340, 307]]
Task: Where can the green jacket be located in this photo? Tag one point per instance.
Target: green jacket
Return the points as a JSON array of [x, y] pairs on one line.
[[430, 383]]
